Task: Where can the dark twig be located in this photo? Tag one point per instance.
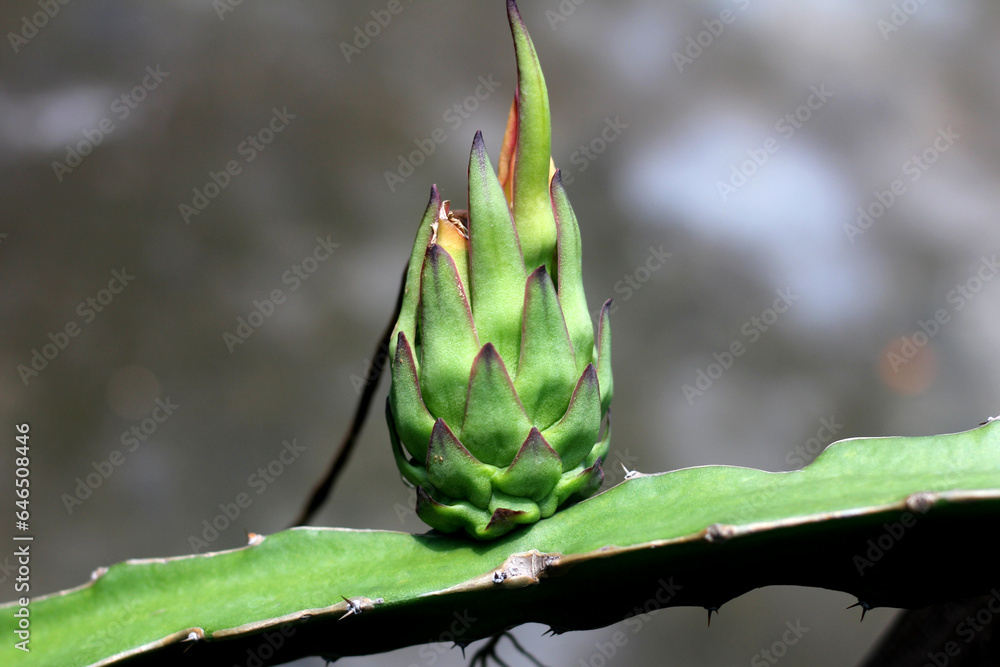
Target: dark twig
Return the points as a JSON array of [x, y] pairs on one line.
[[483, 655], [322, 490]]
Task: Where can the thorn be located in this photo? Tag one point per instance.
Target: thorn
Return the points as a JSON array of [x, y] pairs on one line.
[[352, 608], [865, 607], [710, 610], [190, 640], [462, 646], [629, 474]]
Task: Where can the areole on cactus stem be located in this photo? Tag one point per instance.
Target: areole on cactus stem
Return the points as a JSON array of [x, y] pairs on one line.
[[499, 393]]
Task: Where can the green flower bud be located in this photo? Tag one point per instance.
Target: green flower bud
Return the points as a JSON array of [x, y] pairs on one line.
[[499, 393]]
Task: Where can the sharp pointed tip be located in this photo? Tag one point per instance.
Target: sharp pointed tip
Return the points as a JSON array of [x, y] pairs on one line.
[[865, 608], [479, 156], [710, 610], [539, 274]]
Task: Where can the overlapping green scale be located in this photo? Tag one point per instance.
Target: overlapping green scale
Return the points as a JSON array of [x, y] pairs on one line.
[[498, 410]]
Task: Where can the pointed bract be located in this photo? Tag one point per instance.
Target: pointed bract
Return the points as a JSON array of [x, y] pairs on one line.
[[532, 151], [415, 421], [604, 357], [492, 411], [411, 470], [546, 371], [456, 472], [407, 321], [450, 517], [600, 450], [569, 276], [448, 335], [582, 485], [496, 267], [534, 472], [573, 437]]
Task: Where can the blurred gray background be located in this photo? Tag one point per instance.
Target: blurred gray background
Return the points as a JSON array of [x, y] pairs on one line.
[[710, 152]]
